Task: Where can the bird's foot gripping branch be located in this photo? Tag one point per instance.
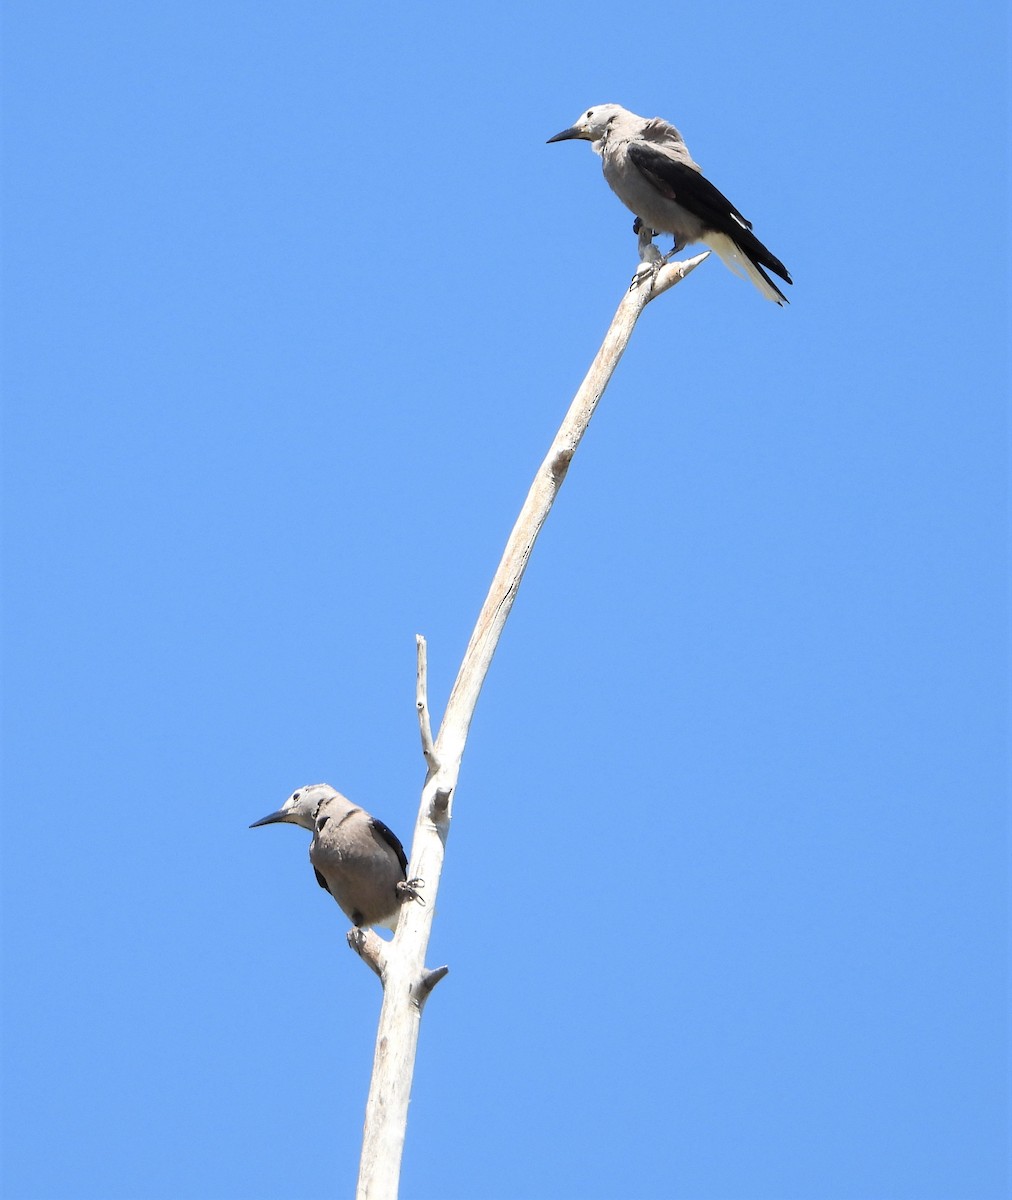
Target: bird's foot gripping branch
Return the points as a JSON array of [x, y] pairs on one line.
[[409, 890]]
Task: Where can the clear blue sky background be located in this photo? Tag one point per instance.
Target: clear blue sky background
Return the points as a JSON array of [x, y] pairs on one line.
[[296, 296]]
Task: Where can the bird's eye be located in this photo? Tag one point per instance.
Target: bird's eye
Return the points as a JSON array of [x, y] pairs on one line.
[[296, 795], [590, 113]]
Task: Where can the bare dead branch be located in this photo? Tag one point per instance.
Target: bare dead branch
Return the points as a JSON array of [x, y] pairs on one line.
[[406, 980], [428, 982], [422, 703], [371, 948]]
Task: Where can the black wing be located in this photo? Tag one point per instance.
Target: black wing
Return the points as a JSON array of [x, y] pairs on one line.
[[392, 841], [697, 195]]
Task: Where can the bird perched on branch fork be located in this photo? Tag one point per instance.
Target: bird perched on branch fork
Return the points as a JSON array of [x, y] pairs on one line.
[[650, 169], [356, 857]]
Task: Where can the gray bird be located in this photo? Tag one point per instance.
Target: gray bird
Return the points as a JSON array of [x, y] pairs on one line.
[[356, 858], [650, 169]]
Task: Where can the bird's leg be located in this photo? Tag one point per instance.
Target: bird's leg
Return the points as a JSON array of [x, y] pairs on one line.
[[651, 259], [648, 251], [408, 889], [674, 250]]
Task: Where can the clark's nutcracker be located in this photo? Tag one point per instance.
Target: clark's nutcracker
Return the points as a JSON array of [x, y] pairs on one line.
[[650, 169], [355, 857]]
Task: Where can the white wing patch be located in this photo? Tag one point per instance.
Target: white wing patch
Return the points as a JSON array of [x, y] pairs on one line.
[[735, 260]]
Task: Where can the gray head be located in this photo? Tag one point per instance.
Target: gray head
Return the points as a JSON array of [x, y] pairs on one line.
[[302, 806], [597, 122]]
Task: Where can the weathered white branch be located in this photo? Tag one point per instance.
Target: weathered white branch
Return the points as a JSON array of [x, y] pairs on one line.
[[429, 981], [371, 948], [540, 498], [422, 704], [406, 981]]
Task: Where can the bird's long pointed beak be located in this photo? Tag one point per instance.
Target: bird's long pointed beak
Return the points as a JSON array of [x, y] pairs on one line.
[[280, 815], [567, 135]]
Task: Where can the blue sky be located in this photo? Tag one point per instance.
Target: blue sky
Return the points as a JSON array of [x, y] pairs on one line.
[[296, 296]]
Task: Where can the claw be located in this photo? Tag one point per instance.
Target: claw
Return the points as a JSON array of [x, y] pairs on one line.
[[408, 889]]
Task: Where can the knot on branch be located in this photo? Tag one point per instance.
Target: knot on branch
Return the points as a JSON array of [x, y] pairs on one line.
[[560, 463], [441, 804]]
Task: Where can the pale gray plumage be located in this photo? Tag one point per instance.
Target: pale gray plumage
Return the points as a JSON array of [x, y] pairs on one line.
[[649, 168], [356, 857]]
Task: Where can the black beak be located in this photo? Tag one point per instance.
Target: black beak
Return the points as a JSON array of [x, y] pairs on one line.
[[566, 135], [280, 815]]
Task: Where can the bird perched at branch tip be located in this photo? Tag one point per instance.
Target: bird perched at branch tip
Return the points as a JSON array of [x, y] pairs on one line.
[[649, 168], [355, 857]]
